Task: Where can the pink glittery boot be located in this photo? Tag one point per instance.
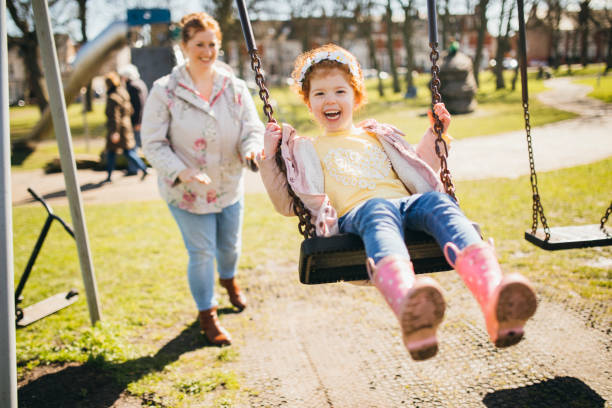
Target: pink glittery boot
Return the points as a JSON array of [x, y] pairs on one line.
[[506, 301], [417, 303]]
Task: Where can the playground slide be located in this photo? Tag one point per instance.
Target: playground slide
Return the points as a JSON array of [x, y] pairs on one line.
[[85, 67]]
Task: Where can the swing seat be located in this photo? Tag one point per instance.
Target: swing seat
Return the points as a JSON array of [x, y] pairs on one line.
[[342, 257], [570, 237]]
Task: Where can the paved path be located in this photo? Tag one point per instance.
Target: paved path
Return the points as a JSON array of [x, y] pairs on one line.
[[563, 144]]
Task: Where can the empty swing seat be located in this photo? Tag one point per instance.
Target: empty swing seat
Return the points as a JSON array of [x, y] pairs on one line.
[[570, 237]]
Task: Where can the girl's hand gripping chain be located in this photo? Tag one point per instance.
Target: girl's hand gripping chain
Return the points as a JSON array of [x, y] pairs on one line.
[[444, 116], [272, 138]]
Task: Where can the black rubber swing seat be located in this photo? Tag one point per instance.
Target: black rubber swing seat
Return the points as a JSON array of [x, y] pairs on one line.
[[570, 237], [342, 257]]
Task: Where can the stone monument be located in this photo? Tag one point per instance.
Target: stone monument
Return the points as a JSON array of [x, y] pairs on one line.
[[458, 85]]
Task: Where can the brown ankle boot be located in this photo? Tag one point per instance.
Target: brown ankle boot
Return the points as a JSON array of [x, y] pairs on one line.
[[236, 296], [213, 330]]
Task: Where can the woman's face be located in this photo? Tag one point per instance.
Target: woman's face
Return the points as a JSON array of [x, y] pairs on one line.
[[202, 49]]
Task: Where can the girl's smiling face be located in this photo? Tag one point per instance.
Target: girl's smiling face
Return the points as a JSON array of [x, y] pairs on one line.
[[331, 100], [202, 49]]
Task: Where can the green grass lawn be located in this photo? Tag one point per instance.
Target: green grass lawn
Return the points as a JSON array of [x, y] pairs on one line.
[[498, 110], [140, 267], [602, 87], [22, 120]]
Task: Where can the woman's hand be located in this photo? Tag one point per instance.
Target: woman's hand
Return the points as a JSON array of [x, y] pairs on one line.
[[115, 137], [271, 139], [252, 160], [443, 114], [189, 174]]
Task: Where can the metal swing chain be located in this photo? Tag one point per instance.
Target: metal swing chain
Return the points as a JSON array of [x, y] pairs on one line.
[[538, 209], [305, 226], [604, 219], [445, 175], [263, 91]]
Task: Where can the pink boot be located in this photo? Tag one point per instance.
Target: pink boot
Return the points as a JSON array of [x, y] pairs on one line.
[[417, 303], [506, 302]]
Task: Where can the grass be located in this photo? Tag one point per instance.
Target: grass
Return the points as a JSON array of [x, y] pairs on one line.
[[145, 299]]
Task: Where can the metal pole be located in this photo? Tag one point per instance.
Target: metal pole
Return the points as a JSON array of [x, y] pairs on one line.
[[8, 361], [46, 43], [433, 21], [247, 30]]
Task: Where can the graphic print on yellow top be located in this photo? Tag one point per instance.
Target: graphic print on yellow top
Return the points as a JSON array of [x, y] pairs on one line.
[[356, 169]]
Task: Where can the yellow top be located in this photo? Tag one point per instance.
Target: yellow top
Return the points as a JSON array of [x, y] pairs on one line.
[[356, 169]]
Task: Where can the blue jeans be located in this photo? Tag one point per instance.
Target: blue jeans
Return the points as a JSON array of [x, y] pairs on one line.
[[208, 237], [132, 168], [132, 158], [381, 223]]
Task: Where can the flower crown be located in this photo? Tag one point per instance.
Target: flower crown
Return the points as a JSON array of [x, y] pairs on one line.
[[337, 55]]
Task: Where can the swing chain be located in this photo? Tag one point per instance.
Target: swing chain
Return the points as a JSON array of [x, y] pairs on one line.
[[259, 79], [538, 209], [604, 219], [305, 226], [442, 154]]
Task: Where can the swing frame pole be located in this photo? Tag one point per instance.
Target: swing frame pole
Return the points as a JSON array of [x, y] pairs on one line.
[[59, 114], [8, 367]]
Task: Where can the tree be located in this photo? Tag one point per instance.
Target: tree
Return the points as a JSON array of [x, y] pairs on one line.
[[584, 15], [302, 11], [481, 9], [21, 14], [82, 13], [407, 32], [390, 50], [444, 17], [363, 15], [553, 18], [503, 43], [609, 49]]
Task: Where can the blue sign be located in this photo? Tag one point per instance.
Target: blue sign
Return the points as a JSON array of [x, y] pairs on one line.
[[137, 17]]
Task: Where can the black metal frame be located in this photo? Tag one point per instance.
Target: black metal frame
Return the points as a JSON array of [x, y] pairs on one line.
[[54, 303]]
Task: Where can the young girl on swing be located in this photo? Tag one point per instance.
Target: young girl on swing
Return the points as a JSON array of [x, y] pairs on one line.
[[367, 180]]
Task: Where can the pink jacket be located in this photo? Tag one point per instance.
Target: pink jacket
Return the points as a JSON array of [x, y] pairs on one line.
[[416, 168]]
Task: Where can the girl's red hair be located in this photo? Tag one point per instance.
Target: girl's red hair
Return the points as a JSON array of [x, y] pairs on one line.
[[302, 88]]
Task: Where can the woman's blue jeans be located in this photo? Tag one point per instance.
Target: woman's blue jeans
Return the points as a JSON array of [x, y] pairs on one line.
[[131, 156], [208, 237], [381, 223]]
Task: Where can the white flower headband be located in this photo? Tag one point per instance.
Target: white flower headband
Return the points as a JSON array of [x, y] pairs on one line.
[[337, 55]]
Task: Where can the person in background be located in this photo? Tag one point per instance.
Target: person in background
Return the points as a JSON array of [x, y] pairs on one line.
[[200, 129], [138, 95], [120, 135]]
